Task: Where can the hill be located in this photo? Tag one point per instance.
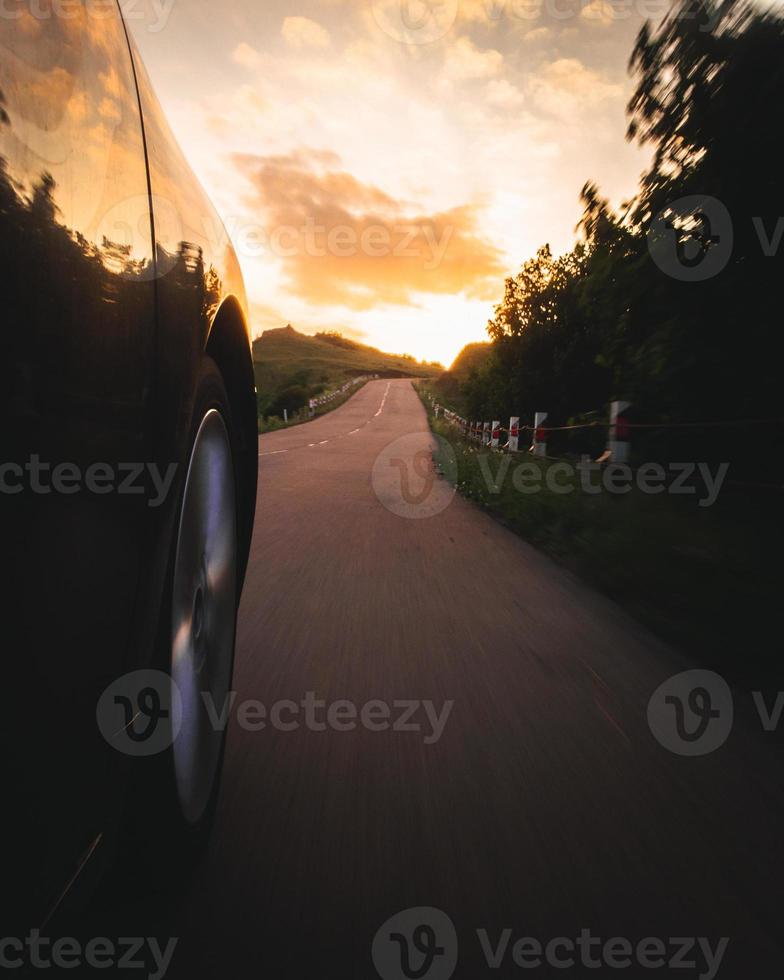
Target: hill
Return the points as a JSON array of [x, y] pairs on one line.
[[291, 367]]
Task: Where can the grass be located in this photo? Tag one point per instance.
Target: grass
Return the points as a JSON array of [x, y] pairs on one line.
[[704, 578], [291, 367], [273, 422]]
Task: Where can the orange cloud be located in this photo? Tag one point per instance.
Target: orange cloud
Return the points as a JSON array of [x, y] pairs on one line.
[[301, 32], [348, 243]]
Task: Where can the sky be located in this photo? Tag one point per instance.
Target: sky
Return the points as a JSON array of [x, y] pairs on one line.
[[382, 165]]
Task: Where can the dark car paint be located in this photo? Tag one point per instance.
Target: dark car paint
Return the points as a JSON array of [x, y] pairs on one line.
[[101, 337]]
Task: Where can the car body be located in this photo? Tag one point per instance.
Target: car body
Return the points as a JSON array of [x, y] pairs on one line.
[[118, 285]]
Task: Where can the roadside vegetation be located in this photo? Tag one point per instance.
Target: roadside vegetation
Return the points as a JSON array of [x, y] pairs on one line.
[[704, 578], [672, 304], [291, 368], [273, 422]]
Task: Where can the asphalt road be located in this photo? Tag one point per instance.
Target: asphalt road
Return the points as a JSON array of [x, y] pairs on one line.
[[539, 802]]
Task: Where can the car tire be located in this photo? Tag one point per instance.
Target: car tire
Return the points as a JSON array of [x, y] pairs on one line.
[[173, 795]]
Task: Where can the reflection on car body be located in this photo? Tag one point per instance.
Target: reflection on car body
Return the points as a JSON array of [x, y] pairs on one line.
[[124, 328]]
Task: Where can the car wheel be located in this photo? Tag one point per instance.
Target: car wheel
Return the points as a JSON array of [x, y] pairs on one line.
[[173, 795], [204, 601]]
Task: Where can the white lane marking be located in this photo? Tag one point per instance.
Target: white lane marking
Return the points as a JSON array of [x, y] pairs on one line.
[[311, 445], [383, 400]]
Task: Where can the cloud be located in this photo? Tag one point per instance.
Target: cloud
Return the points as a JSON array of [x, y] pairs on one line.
[[265, 317], [479, 12], [599, 12], [464, 61], [503, 95], [345, 242], [111, 83], [566, 88], [301, 32], [110, 110], [536, 35], [246, 56]]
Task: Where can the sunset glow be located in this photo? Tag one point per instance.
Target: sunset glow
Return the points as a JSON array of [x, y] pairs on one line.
[[382, 186]]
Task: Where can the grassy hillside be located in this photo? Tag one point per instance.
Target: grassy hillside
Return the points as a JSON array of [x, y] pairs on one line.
[[291, 367]]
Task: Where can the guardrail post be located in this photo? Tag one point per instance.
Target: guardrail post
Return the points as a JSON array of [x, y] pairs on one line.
[[539, 446], [618, 443], [514, 434], [495, 436], [485, 433]]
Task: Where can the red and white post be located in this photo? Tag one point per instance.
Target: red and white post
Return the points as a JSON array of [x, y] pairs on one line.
[[514, 434], [485, 433], [495, 435], [619, 439], [539, 445]]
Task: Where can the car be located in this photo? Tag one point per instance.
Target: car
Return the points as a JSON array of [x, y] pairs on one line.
[[128, 468]]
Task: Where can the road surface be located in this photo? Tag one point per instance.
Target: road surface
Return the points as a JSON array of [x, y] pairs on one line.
[[546, 806]]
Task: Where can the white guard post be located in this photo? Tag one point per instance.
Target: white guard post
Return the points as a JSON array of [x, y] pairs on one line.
[[539, 446], [619, 436], [495, 436], [514, 434]]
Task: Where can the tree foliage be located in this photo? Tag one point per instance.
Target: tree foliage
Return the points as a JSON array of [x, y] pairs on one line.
[[606, 320]]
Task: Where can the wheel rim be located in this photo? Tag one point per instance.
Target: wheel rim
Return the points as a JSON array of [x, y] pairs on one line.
[[204, 612]]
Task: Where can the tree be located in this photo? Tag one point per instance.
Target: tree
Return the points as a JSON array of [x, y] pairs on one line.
[[607, 319]]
